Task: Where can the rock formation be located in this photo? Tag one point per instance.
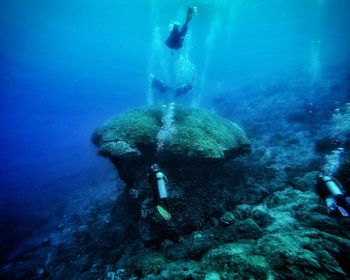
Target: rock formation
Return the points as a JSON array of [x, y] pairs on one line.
[[254, 217], [175, 137], [191, 145], [231, 221]]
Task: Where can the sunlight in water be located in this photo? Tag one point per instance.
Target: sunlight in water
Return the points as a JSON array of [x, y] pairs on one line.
[[315, 60], [215, 26], [159, 64]]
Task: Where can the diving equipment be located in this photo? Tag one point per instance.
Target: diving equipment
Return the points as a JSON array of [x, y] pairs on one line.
[[161, 181], [164, 213], [158, 182], [331, 190], [332, 185]]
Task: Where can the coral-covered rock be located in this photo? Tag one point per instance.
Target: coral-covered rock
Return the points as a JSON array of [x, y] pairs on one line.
[[306, 182], [191, 146], [197, 134], [309, 254], [174, 136], [248, 229], [261, 215], [237, 261], [228, 218], [242, 211], [181, 271]]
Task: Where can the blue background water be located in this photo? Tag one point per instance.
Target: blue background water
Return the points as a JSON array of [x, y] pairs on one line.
[[66, 66]]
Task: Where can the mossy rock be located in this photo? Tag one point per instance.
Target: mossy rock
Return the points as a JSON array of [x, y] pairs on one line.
[[237, 260], [126, 134], [196, 134], [152, 263], [310, 254]]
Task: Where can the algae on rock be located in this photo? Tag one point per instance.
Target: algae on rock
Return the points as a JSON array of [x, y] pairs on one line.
[[199, 134], [199, 139]]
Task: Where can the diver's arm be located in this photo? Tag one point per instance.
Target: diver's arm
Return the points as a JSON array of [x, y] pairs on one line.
[[183, 30], [165, 178]]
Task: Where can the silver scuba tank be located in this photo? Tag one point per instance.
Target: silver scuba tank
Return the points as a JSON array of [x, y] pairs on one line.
[[332, 186], [161, 183]]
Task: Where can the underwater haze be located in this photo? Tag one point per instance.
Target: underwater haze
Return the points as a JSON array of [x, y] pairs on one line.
[[279, 69]]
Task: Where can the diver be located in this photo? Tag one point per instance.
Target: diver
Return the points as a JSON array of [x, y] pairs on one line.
[[158, 84], [183, 89], [177, 36], [158, 183], [337, 199]]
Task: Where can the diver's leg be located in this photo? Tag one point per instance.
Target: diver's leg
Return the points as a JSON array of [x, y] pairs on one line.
[[188, 19], [189, 15], [183, 30], [331, 206]]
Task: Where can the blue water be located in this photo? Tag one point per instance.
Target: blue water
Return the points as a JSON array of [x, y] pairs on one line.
[[66, 66]]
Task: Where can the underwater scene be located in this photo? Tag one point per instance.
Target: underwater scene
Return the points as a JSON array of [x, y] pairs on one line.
[[187, 139]]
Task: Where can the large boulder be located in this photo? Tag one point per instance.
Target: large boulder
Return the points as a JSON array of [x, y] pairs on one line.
[[191, 146], [172, 136]]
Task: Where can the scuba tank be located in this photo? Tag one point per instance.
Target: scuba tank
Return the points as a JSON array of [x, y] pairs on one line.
[[161, 183], [333, 186], [158, 182]]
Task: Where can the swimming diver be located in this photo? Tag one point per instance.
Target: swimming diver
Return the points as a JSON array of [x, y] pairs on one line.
[[177, 36], [158, 182], [337, 200], [183, 89], [158, 84]]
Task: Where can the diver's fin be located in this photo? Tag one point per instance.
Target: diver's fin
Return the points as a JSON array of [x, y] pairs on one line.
[[164, 213], [342, 211], [190, 12]]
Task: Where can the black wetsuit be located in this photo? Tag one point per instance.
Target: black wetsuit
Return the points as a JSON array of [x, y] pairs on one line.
[[177, 36], [185, 88], [322, 189], [153, 181], [159, 85]]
